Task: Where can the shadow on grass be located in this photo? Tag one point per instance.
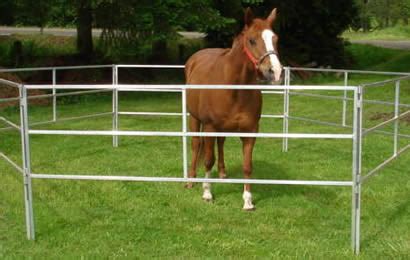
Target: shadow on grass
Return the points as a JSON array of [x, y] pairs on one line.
[[386, 219]]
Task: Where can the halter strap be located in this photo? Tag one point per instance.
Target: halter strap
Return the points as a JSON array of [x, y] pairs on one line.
[[250, 56]]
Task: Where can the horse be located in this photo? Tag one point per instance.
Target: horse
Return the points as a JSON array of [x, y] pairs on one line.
[[253, 55]]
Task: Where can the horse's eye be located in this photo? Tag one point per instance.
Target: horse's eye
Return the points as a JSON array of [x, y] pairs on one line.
[[252, 42]]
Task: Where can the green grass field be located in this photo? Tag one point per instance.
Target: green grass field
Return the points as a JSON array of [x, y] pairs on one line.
[[140, 220], [399, 32]]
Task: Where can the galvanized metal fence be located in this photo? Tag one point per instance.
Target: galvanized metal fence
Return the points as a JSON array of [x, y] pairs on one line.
[[358, 132]]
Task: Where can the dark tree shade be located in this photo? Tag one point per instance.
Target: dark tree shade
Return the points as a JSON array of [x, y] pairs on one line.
[[7, 12], [309, 30]]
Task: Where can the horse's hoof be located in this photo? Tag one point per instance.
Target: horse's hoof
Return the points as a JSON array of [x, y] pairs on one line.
[[189, 185], [223, 175], [207, 200], [253, 208], [207, 196]]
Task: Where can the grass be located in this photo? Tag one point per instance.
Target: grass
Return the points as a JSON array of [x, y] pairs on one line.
[[376, 58], [144, 220], [399, 32]]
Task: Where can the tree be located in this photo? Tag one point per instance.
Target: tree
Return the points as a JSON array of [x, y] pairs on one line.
[[152, 24], [309, 30], [33, 12], [84, 28]]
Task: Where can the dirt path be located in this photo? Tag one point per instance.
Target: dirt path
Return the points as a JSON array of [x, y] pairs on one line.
[[400, 45], [4, 30]]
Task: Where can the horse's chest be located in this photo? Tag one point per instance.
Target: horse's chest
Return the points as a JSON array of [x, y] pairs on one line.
[[234, 114]]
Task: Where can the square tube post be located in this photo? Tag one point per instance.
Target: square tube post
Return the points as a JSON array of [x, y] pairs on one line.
[[115, 105], [25, 144], [346, 80], [286, 110], [184, 137], [396, 114], [54, 95], [357, 166]]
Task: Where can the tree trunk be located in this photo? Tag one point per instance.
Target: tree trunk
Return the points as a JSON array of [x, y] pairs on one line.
[[84, 29]]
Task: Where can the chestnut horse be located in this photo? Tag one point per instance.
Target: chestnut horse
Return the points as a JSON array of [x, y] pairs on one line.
[[254, 53]]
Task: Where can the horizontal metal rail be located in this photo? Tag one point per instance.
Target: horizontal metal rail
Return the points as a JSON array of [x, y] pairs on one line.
[[10, 83], [57, 68], [175, 179], [63, 120], [148, 66], [12, 99], [149, 114], [71, 118], [367, 131], [11, 124], [190, 134], [384, 82], [318, 95], [177, 114], [383, 164], [150, 90], [75, 93], [386, 73], [273, 92], [130, 87], [10, 161], [317, 121], [379, 102]]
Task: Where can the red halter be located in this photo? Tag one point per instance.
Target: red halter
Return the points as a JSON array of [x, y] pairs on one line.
[[250, 56]]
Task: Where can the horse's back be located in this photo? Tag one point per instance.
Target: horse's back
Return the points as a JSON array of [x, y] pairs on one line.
[[204, 63]]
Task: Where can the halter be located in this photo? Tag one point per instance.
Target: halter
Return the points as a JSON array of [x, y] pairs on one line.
[[256, 62]]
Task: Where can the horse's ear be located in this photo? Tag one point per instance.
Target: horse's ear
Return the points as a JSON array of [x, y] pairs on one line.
[[248, 16], [272, 17]]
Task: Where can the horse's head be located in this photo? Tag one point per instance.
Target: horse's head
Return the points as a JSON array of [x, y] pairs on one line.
[[261, 45]]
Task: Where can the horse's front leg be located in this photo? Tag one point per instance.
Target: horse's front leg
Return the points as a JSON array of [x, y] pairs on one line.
[[247, 147], [221, 160]]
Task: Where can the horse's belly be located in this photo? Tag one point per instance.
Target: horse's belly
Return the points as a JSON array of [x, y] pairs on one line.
[[242, 122]]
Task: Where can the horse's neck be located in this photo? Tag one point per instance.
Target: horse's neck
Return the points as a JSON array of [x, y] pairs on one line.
[[242, 67]]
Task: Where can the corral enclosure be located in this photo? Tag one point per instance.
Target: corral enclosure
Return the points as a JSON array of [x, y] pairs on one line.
[[312, 160]]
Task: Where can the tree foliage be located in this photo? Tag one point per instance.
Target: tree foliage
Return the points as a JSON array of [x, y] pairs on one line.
[[309, 30], [375, 14]]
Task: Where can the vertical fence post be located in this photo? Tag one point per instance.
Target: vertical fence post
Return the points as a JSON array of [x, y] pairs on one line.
[[357, 166], [346, 80], [115, 104], [184, 137], [54, 95], [286, 109], [25, 145], [396, 114]]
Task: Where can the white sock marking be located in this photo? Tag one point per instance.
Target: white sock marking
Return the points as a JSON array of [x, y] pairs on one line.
[[247, 199], [207, 195]]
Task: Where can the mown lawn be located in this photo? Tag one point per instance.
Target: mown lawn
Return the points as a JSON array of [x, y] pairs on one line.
[[116, 219], [399, 32]]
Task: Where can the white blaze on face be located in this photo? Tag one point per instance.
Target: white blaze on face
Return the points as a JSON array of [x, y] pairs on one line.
[[267, 36]]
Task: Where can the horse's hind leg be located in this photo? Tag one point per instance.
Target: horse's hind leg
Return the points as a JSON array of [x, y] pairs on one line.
[[221, 160], [194, 126], [209, 144]]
